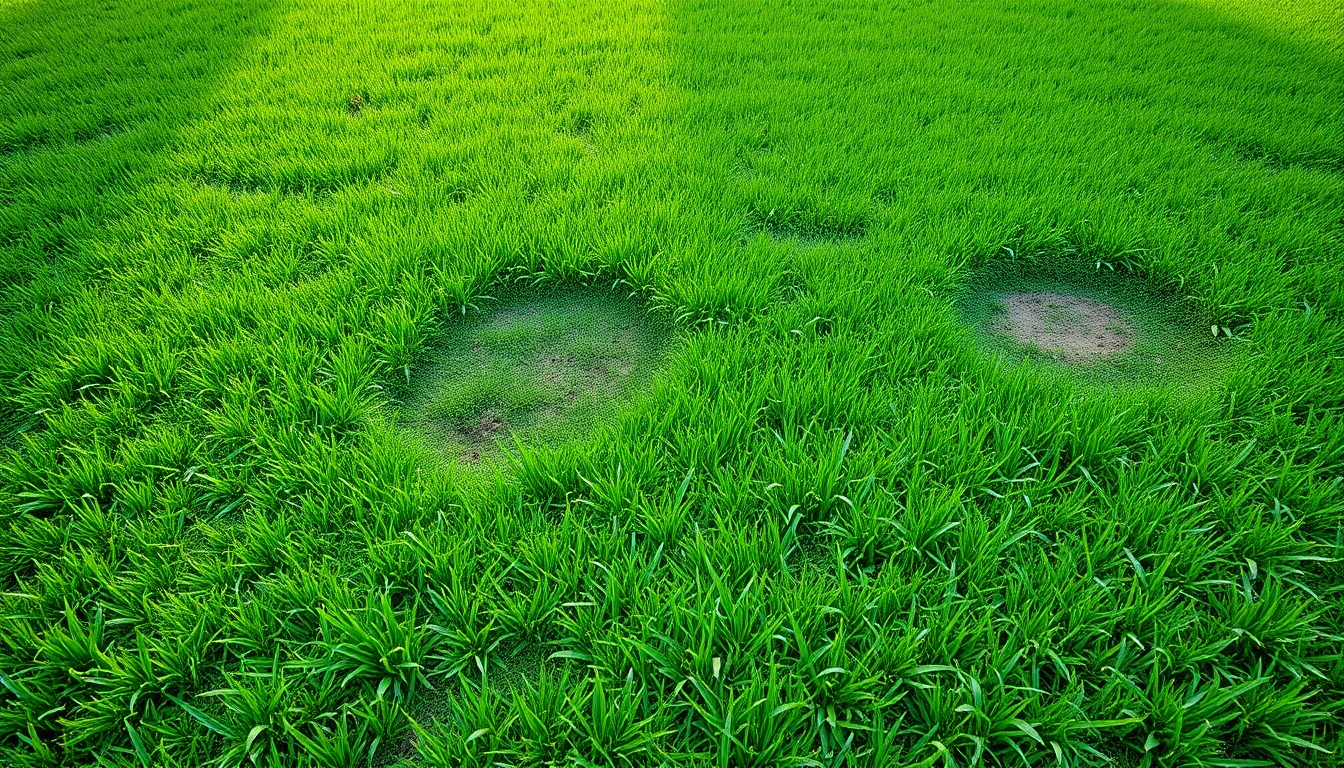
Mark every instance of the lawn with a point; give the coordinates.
(558, 382)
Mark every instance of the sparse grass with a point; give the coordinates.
(1171, 347)
(545, 367)
(830, 530)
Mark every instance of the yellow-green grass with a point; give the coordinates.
(829, 530)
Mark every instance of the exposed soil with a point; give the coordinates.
(483, 429)
(538, 369)
(556, 368)
(561, 370)
(1077, 330)
(479, 435)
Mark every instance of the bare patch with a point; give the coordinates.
(1077, 330)
(556, 368)
(541, 370)
(484, 429)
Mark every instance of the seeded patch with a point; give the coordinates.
(543, 369)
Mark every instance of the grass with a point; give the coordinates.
(831, 529)
(535, 368)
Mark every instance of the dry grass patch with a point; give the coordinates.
(1078, 330)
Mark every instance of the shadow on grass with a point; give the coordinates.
(94, 93)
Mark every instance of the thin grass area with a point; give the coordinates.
(541, 367)
(832, 528)
(1154, 338)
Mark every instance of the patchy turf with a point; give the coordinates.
(543, 367)
(244, 245)
(1077, 330)
(1097, 326)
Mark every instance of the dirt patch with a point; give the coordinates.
(540, 369)
(556, 368)
(479, 435)
(483, 429)
(1077, 330)
(568, 374)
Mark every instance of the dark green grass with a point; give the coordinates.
(832, 529)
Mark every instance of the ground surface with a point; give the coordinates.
(837, 526)
(1078, 330)
(542, 367)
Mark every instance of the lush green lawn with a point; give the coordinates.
(828, 525)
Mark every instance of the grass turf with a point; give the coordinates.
(832, 530)
(540, 369)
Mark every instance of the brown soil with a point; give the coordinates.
(479, 434)
(1077, 330)
(484, 428)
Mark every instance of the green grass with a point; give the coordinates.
(542, 369)
(830, 528)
